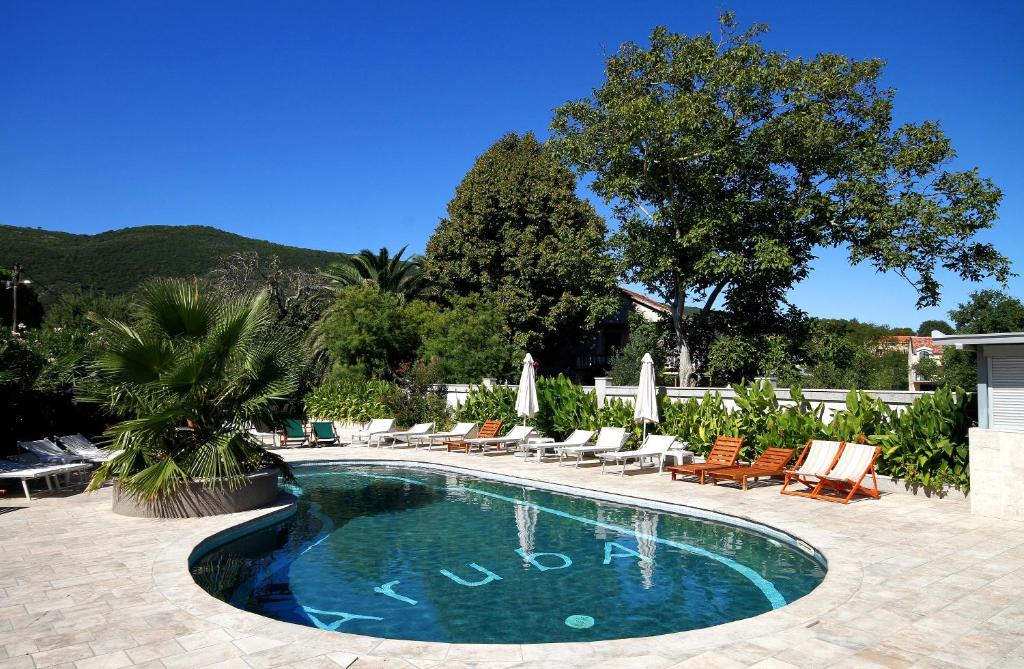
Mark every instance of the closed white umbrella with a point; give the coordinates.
(646, 409)
(526, 399)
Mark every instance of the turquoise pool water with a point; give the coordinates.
(417, 553)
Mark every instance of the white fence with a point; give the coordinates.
(833, 399)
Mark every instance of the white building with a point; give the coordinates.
(997, 444)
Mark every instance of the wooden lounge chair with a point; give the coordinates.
(490, 429)
(817, 458)
(323, 433)
(723, 454)
(846, 478)
(293, 432)
(770, 463)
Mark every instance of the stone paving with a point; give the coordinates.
(912, 582)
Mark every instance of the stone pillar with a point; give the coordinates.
(601, 389)
(997, 473)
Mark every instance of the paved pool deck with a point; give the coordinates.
(912, 582)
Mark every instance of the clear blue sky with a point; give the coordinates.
(343, 125)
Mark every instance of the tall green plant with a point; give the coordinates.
(483, 403)
(186, 380)
(563, 406)
(927, 444)
(351, 401)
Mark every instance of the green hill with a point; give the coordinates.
(119, 260)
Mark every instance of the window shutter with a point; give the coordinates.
(1006, 394)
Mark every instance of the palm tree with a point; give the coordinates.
(391, 273)
(188, 378)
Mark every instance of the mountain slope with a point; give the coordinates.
(119, 260)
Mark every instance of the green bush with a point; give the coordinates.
(463, 344)
(351, 401)
(495, 403)
(563, 407)
(926, 445)
(356, 401)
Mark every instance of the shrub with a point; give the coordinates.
(350, 401)
(358, 401)
(482, 403)
(927, 444)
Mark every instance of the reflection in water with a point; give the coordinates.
(645, 525)
(526, 527)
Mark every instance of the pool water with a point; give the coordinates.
(418, 553)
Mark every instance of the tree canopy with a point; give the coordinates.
(729, 163)
(926, 327)
(517, 232)
(989, 311)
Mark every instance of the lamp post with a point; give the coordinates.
(16, 281)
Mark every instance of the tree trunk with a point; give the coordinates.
(685, 363)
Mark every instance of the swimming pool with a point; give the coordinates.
(424, 554)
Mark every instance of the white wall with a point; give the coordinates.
(833, 399)
(997, 473)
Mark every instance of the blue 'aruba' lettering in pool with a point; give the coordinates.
(417, 553)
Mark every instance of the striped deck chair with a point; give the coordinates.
(846, 478)
(815, 461)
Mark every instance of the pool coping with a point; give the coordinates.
(170, 571)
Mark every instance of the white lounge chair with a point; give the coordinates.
(49, 473)
(460, 431)
(376, 426)
(577, 438)
(83, 448)
(815, 461)
(515, 436)
(654, 447)
(48, 453)
(608, 439)
(396, 437)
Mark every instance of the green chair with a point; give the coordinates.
(293, 432)
(323, 433)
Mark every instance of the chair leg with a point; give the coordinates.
(24, 486)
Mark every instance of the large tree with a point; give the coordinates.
(517, 234)
(729, 164)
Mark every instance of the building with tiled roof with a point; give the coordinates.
(917, 350)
